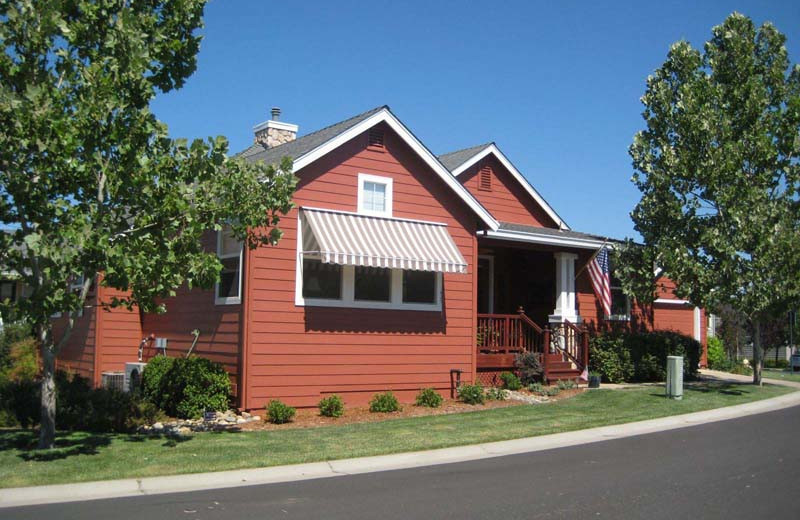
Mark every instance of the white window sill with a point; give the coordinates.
(429, 307)
(235, 300)
(618, 317)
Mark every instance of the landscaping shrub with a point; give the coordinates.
(496, 394)
(12, 333)
(528, 366)
(186, 387)
(20, 403)
(429, 397)
(566, 384)
(716, 354)
(609, 357)
(536, 388)
(740, 369)
(279, 412)
(384, 403)
(510, 381)
(22, 361)
(642, 356)
(152, 378)
(331, 406)
(771, 363)
(471, 394)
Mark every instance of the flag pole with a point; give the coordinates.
(603, 245)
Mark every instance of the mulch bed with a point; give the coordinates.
(310, 417)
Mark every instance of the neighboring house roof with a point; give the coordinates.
(458, 162)
(307, 149)
(539, 235)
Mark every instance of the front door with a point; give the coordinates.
(485, 284)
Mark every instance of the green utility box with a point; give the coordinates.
(675, 377)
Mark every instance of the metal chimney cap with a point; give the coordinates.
(276, 113)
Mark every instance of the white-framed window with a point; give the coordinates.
(228, 290)
(331, 285)
(374, 195)
(76, 286)
(620, 302)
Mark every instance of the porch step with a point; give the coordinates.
(562, 374)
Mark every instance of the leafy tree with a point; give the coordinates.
(90, 182)
(718, 169)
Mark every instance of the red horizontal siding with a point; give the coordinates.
(300, 354)
(507, 201)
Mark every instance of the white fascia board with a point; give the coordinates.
(494, 150)
(670, 301)
(582, 243)
(385, 116)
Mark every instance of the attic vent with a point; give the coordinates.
(376, 138)
(485, 179)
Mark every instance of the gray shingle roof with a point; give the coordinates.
(303, 145)
(565, 233)
(453, 160)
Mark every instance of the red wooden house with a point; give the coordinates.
(398, 270)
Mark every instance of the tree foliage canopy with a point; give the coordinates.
(717, 165)
(91, 182)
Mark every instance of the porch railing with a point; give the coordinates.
(500, 337)
(572, 341)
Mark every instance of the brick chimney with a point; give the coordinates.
(273, 132)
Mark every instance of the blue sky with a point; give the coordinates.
(555, 84)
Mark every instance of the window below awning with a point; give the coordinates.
(343, 238)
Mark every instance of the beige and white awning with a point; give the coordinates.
(352, 239)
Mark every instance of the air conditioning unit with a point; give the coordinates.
(133, 376)
(113, 380)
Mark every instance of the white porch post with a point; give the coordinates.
(565, 288)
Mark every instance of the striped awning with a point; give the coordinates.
(351, 239)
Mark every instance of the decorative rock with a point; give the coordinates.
(158, 426)
(245, 415)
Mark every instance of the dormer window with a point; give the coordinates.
(374, 195)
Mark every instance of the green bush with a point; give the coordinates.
(771, 363)
(20, 403)
(384, 403)
(510, 381)
(609, 357)
(642, 356)
(496, 394)
(153, 378)
(12, 333)
(23, 361)
(331, 406)
(552, 391)
(740, 369)
(279, 412)
(716, 354)
(536, 388)
(186, 388)
(529, 367)
(429, 397)
(471, 394)
(566, 384)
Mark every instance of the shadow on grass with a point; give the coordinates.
(723, 388)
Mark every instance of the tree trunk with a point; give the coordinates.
(47, 425)
(758, 358)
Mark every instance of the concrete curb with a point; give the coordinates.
(14, 497)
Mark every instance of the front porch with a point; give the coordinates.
(527, 303)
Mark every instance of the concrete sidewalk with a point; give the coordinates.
(201, 481)
(735, 378)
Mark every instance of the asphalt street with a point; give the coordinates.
(742, 468)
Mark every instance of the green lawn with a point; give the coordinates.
(87, 457)
(785, 375)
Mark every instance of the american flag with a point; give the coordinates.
(601, 282)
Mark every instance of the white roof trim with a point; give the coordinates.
(517, 236)
(385, 116)
(671, 301)
(493, 149)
